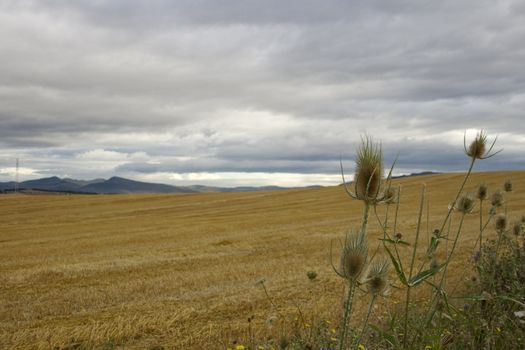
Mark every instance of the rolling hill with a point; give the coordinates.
(119, 185)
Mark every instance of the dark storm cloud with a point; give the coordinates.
(257, 86)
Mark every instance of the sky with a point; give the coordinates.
(272, 92)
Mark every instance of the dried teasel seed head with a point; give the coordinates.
(465, 204)
(501, 223)
(497, 199)
(369, 170)
(482, 192)
(377, 281)
(478, 146)
(507, 186)
(354, 257)
(390, 195)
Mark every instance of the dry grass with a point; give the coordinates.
(134, 271)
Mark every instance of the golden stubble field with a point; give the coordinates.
(180, 271)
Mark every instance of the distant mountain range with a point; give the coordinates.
(117, 185)
(120, 185)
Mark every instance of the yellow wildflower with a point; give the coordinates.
(361, 347)
(240, 347)
(333, 330)
(333, 339)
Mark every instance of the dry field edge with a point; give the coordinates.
(179, 271)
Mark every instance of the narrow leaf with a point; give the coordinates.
(434, 242)
(394, 241)
(399, 271)
(423, 275)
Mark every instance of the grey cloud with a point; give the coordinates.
(261, 86)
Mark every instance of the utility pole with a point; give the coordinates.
(16, 181)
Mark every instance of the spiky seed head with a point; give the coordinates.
(501, 223)
(377, 281)
(465, 204)
(354, 257)
(517, 228)
(390, 195)
(478, 146)
(369, 170)
(507, 186)
(497, 199)
(482, 192)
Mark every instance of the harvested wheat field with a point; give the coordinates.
(180, 271)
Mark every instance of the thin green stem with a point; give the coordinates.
(491, 216)
(366, 211)
(365, 324)
(500, 237)
(348, 311)
(449, 257)
(459, 193)
(405, 326)
(412, 261)
(480, 224)
(385, 224)
(467, 175)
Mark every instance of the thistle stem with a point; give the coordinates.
(467, 175)
(480, 224)
(500, 236)
(412, 261)
(348, 311)
(365, 324)
(432, 309)
(458, 194)
(366, 212)
(405, 326)
(449, 257)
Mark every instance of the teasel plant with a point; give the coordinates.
(507, 188)
(353, 266)
(496, 200)
(370, 187)
(369, 184)
(410, 276)
(377, 285)
(481, 195)
(478, 149)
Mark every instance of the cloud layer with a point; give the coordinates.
(255, 92)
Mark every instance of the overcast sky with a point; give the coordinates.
(250, 92)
